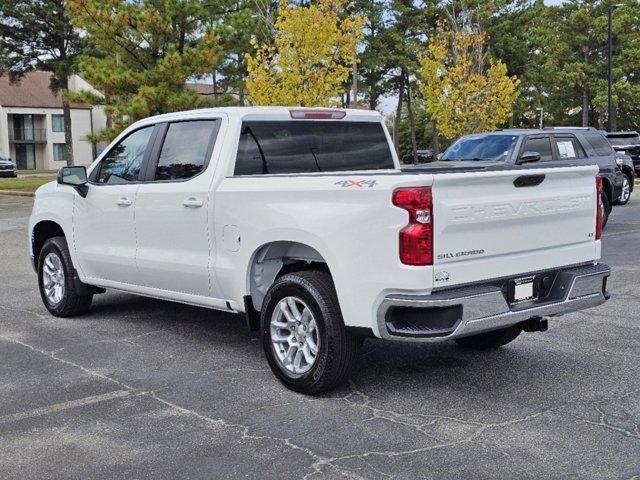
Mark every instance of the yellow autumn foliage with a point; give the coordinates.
(310, 59)
(462, 94)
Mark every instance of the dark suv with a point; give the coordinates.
(561, 145)
(7, 167)
(627, 143)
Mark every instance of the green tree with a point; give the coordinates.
(374, 57)
(464, 91)
(241, 24)
(38, 35)
(144, 51)
(310, 59)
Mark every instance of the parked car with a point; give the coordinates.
(303, 220)
(554, 146)
(424, 156)
(627, 172)
(628, 143)
(7, 167)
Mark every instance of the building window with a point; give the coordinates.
(59, 152)
(57, 123)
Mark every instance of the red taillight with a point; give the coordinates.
(317, 114)
(416, 239)
(599, 207)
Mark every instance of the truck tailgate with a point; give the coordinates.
(501, 223)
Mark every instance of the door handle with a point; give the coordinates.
(124, 202)
(528, 180)
(192, 202)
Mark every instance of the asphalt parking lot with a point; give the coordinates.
(142, 388)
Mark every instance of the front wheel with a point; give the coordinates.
(489, 340)
(625, 194)
(303, 334)
(55, 279)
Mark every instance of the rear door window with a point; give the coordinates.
(542, 145)
(311, 146)
(186, 149)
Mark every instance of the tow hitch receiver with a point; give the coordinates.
(535, 324)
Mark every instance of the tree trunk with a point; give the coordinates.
(412, 125)
(354, 84)
(241, 86)
(435, 141)
(585, 108)
(396, 121)
(66, 113)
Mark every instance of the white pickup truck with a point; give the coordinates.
(303, 220)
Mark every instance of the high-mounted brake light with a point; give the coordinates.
(317, 114)
(599, 207)
(416, 239)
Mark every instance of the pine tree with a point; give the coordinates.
(143, 52)
(38, 35)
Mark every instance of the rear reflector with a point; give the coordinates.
(317, 114)
(416, 239)
(599, 207)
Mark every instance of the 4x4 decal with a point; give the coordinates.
(356, 183)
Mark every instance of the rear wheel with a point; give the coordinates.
(303, 335)
(486, 341)
(55, 279)
(625, 194)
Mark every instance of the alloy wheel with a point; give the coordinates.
(294, 335)
(53, 278)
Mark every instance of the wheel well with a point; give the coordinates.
(41, 233)
(608, 189)
(276, 259)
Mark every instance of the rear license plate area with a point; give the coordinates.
(522, 289)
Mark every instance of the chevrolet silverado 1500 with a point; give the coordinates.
(302, 220)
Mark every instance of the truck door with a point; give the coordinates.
(174, 247)
(104, 234)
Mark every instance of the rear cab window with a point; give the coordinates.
(307, 146)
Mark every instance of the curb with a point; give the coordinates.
(18, 193)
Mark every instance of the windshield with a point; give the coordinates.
(624, 140)
(481, 147)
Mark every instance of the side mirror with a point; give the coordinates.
(75, 177)
(529, 157)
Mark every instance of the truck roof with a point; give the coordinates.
(546, 130)
(265, 113)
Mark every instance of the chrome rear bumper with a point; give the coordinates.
(465, 311)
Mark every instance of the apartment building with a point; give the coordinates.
(32, 123)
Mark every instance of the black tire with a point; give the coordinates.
(71, 304)
(337, 349)
(606, 207)
(486, 341)
(629, 182)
